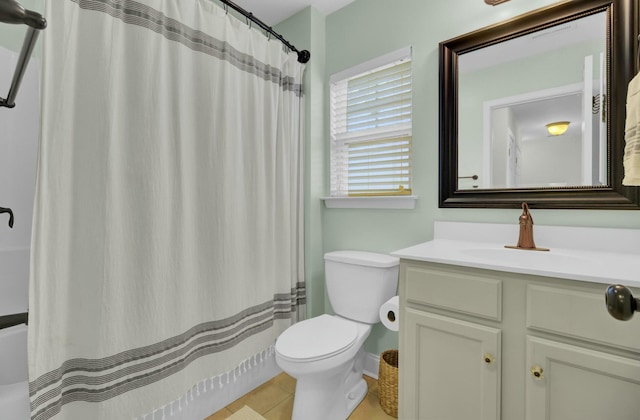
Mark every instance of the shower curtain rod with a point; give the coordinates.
(303, 56)
(12, 12)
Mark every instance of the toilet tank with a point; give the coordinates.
(359, 282)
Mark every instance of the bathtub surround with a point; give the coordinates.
(14, 397)
(167, 246)
(19, 128)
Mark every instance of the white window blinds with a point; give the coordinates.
(371, 128)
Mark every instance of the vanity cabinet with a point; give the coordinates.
(589, 367)
(572, 382)
(483, 344)
(453, 355)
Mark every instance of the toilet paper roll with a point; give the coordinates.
(390, 314)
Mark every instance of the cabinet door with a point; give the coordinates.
(449, 369)
(574, 383)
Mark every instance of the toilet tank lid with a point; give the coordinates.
(369, 259)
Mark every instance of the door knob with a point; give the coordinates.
(488, 358)
(620, 302)
(537, 372)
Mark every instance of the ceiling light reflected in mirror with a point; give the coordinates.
(558, 128)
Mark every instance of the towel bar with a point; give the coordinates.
(12, 12)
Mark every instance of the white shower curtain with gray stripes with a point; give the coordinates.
(167, 246)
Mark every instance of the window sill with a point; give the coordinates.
(391, 202)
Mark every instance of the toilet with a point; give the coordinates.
(325, 353)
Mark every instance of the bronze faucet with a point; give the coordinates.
(525, 239)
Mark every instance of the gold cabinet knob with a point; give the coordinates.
(537, 372)
(488, 358)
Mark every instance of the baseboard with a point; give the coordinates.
(371, 365)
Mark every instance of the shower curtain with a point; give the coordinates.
(167, 253)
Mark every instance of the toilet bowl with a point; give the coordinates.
(325, 354)
(331, 366)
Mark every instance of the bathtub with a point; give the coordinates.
(14, 390)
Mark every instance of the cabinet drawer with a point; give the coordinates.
(579, 314)
(473, 294)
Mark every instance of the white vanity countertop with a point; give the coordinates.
(599, 255)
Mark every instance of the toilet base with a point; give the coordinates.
(357, 394)
(333, 396)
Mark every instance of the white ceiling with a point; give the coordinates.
(273, 12)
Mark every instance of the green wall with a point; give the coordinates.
(366, 29)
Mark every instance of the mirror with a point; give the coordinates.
(502, 85)
(513, 89)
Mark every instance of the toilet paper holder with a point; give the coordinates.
(388, 313)
(391, 316)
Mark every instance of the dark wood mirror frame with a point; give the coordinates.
(622, 41)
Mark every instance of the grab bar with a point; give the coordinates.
(12, 12)
(8, 210)
(7, 321)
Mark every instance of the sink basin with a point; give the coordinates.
(525, 258)
(599, 255)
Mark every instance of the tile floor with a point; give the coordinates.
(274, 401)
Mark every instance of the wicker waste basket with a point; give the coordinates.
(388, 382)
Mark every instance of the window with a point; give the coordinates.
(370, 113)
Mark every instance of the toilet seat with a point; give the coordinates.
(316, 338)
